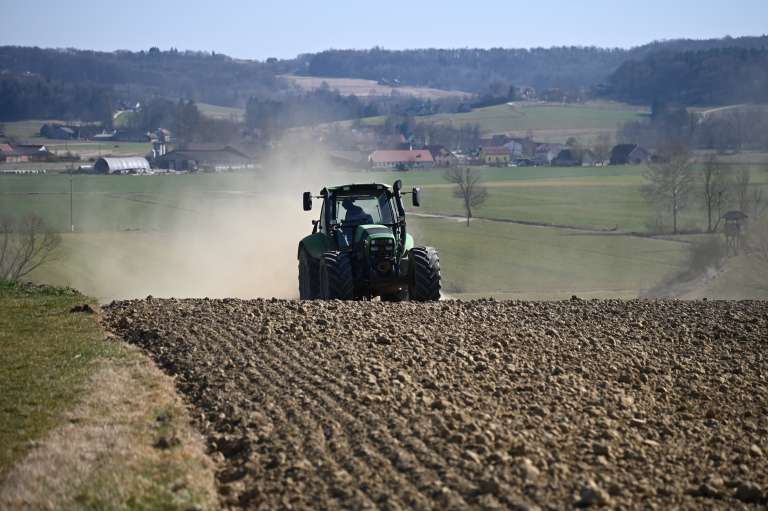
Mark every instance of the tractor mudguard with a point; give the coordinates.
(408, 244)
(316, 244)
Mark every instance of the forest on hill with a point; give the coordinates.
(88, 85)
(718, 76)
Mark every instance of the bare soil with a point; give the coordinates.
(482, 404)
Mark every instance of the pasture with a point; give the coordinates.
(546, 121)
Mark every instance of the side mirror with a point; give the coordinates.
(397, 186)
(307, 200)
(416, 197)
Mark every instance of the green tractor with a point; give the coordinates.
(359, 248)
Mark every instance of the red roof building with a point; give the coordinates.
(391, 159)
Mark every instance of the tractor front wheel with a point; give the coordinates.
(307, 277)
(425, 275)
(336, 279)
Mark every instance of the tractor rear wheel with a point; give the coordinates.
(425, 275)
(336, 279)
(307, 277)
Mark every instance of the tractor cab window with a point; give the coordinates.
(364, 209)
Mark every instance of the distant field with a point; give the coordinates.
(87, 149)
(360, 87)
(24, 130)
(221, 112)
(546, 121)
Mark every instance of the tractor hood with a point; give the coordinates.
(372, 231)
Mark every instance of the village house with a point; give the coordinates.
(629, 154)
(567, 158)
(401, 159)
(495, 155)
(204, 157)
(521, 148)
(33, 152)
(58, 132)
(9, 155)
(545, 153)
(442, 156)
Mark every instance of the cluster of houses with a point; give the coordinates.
(192, 158)
(504, 151)
(22, 153)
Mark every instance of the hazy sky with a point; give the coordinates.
(257, 29)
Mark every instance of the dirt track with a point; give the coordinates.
(477, 404)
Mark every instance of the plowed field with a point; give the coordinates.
(483, 404)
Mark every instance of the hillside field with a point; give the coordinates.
(361, 87)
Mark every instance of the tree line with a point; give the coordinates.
(471, 69)
(721, 129)
(202, 76)
(676, 182)
(717, 76)
(31, 97)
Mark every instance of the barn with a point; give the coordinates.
(127, 165)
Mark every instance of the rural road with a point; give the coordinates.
(482, 404)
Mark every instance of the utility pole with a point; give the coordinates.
(71, 219)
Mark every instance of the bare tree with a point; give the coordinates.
(468, 188)
(757, 203)
(670, 181)
(716, 184)
(602, 147)
(25, 245)
(741, 189)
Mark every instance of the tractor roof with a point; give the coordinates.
(359, 187)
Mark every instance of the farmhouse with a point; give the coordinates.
(567, 158)
(204, 157)
(521, 148)
(495, 155)
(58, 132)
(545, 153)
(33, 152)
(130, 165)
(401, 159)
(629, 154)
(10, 155)
(442, 156)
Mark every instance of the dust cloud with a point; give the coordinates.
(214, 243)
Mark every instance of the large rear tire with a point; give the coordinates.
(337, 281)
(425, 275)
(307, 277)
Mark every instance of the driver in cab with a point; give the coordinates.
(354, 213)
